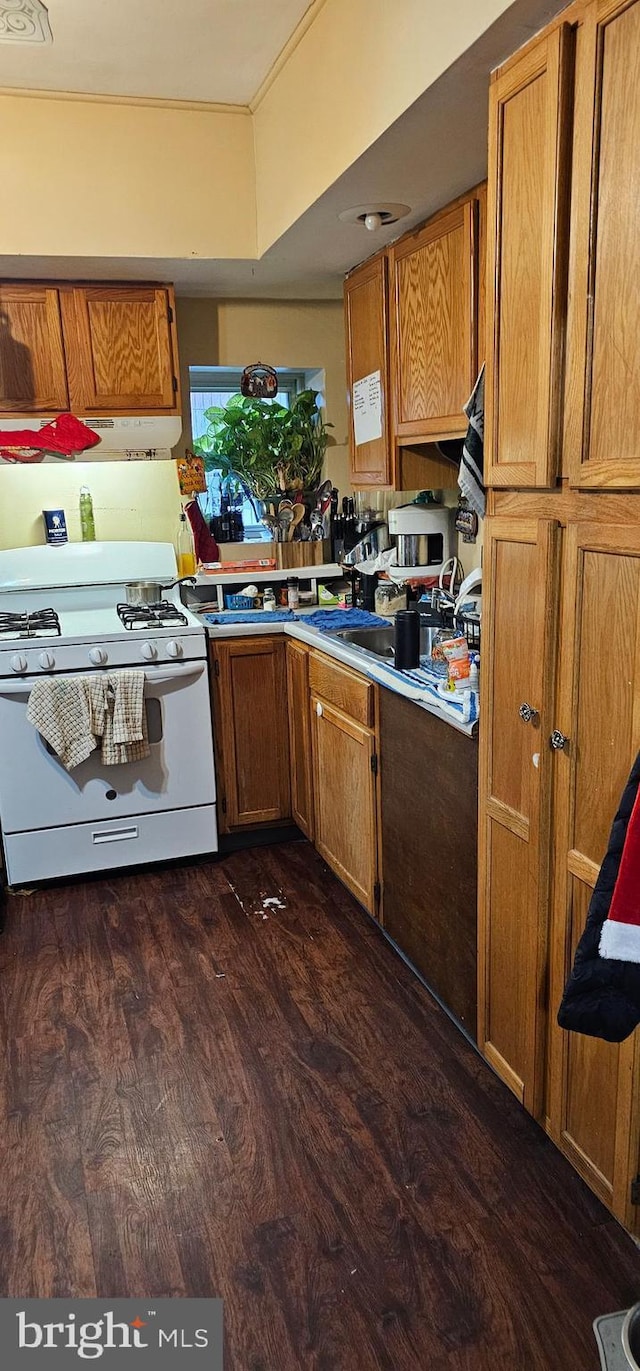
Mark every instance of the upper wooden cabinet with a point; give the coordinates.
(119, 349)
(32, 365)
(92, 349)
(433, 325)
(526, 256)
(414, 314)
(366, 325)
(602, 430)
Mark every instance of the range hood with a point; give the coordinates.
(136, 437)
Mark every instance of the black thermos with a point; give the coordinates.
(407, 640)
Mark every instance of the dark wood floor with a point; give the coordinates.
(221, 1080)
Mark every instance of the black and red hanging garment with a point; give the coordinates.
(602, 995)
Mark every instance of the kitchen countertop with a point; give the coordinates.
(342, 652)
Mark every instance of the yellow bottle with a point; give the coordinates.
(184, 548)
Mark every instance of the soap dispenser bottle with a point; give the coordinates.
(87, 522)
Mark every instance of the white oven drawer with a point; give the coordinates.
(117, 843)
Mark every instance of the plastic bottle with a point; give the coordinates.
(184, 547)
(474, 674)
(293, 592)
(87, 522)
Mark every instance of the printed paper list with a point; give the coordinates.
(367, 408)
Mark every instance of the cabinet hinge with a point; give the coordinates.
(216, 667)
(635, 1191)
(223, 805)
(170, 314)
(175, 384)
(374, 763)
(377, 892)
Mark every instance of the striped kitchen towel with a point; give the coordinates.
(471, 474)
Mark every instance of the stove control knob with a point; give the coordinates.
(149, 652)
(18, 663)
(47, 661)
(174, 649)
(98, 656)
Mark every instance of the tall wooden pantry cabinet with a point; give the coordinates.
(561, 658)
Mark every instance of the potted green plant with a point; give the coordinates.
(271, 449)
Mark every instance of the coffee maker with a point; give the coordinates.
(423, 535)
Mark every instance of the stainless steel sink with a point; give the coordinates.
(379, 642)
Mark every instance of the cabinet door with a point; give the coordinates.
(345, 799)
(433, 329)
(119, 349)
(603, 435)
(594, 1084)
(529, 127)
(366, 324)
(252, 732)
(300, 736)
(515, 788)
(32, 367)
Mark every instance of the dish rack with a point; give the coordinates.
(239, 602)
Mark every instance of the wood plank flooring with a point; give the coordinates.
(219, 1079)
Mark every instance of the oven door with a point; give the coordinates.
(37, 793)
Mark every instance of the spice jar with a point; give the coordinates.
(293, 592)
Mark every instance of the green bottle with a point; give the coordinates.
(87, 524)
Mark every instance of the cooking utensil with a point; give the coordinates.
(150, 592)
(285, 519)
(298, 516)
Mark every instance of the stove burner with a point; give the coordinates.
(161, 615)
(41, 623)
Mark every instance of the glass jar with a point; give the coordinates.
(269, 599)
(293, 592)
(389, 598)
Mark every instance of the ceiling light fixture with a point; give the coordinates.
(374, 217)
(24, 21)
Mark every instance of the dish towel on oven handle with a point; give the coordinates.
(59, 709)
(73, 714)
(125, 736)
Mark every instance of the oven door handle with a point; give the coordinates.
(177, 673)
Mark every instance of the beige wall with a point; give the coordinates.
(83, 178)
(356, 69)
(131, 500)
(284, 333)
(87, 177)
(141, 499)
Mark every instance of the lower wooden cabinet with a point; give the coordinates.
(345, 798)
(300, 736)
(594, 1086)
(251, 731)
(562, 581)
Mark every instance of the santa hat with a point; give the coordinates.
(620, 937)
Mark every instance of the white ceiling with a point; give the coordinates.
(211, 50)
(435, 151)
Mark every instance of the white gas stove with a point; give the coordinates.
(63, 611)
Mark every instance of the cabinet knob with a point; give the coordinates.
(319, 709)
(559, 741)
(528, 714)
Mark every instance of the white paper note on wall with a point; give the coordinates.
(367, 408)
